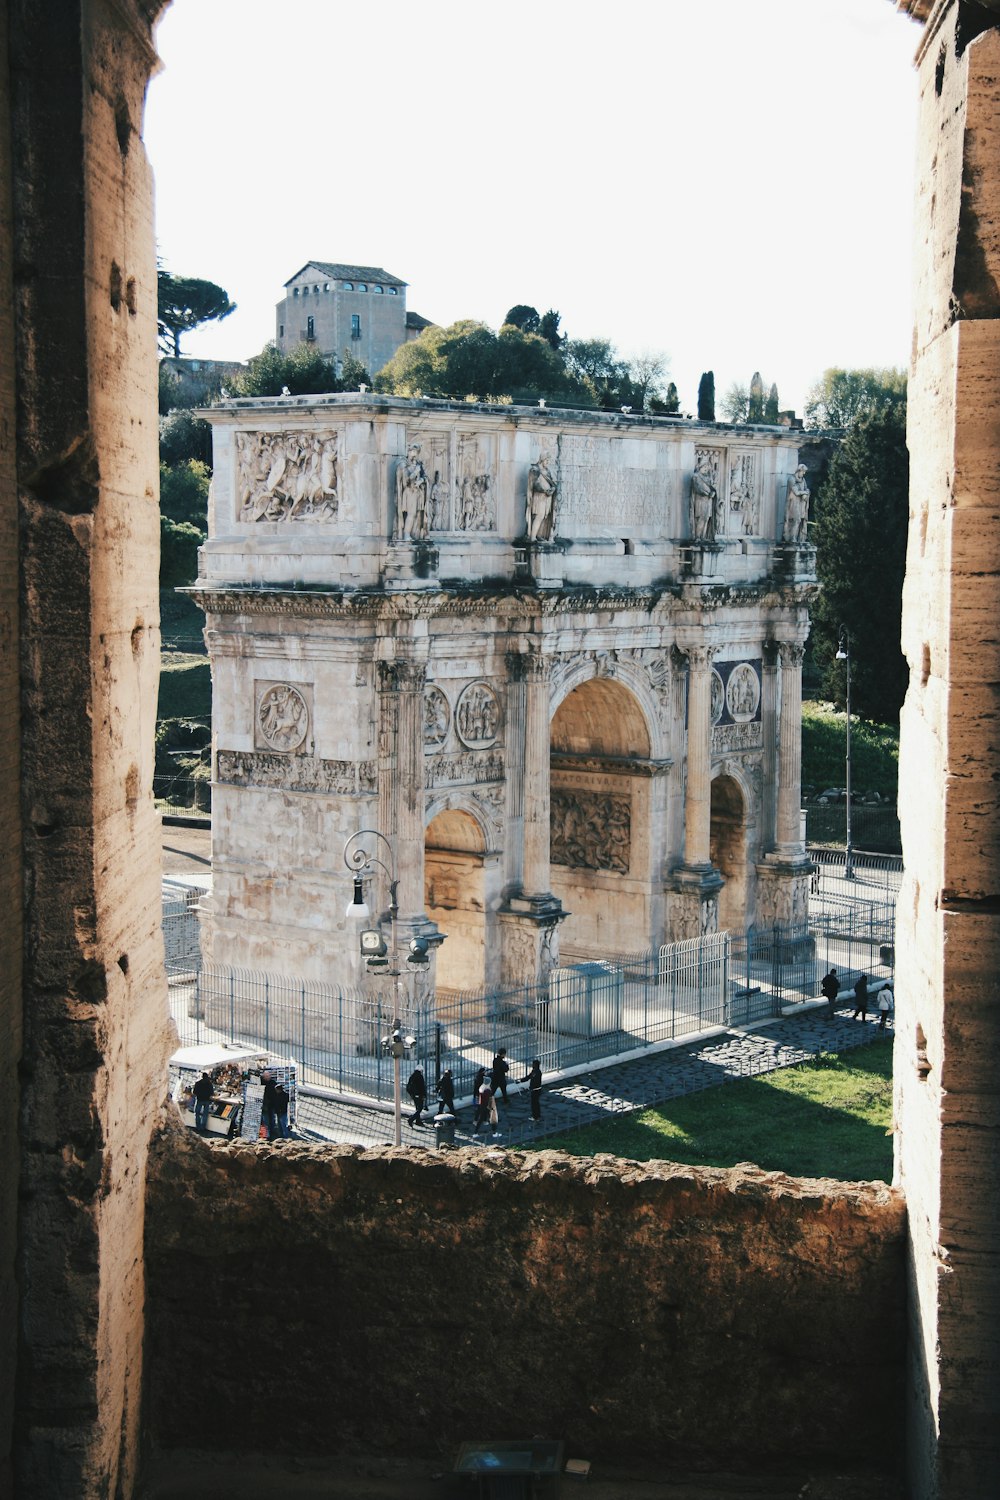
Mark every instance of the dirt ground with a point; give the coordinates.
(177, 1476)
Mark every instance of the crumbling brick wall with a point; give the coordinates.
(333, 1299)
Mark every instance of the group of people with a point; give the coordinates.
(884, 1000)
(486, 1086)
(274, 1107)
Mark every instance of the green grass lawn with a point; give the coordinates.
(827, 1118)
(874, 751)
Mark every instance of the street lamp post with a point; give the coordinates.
(359, 861)
(844, 655)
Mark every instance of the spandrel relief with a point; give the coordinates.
(282, 717)
(287, 476)
(744, 493)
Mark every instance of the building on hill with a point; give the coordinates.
(346, 310)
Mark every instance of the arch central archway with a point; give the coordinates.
(600, 816)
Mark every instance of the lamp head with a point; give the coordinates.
(418, 951)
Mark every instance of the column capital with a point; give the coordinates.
(791, 653)
(698, 657)
(402, 676)
(528, 666)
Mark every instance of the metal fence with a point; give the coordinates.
(872, 827)
(585, 1014)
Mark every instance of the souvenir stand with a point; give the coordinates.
(238, 1092)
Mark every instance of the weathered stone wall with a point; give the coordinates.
(93, 1001)
(641, 1311)
(948, 1021)
(11, 1029)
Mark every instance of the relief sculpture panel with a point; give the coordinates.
(282, 717)
(286, 476)
(299, 773)
(744, 492)
(590, 831)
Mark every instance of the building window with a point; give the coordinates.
(392, 291)
(310, 329)
(348, 286)
(316, 289)
(355, 326)
(376, 289)
(362, 287)
(326, 286)
(295, 291)
(281, 330)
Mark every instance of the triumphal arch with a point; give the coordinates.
(554, 657)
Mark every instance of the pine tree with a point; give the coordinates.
(756, 410)
(771, 406)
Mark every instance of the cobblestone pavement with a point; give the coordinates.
(614, 1089)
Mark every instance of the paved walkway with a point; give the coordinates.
(615, 1089)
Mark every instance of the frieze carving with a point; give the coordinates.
(286, 476)
(299, 773)
(437, 717)
(477, 510)
(464, 767)
(477, 716)
(282, 720)
(590, 831)
(718, 700)
(744, 492)
(739, 736)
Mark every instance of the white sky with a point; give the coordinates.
(729, 182)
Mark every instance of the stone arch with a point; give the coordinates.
(601, 812)
(728, 844)
(461, 889)
(566, 679)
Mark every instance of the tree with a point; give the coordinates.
(647, 372)
(860, 534)
(469, 360)
(179, 543)
(184, 492)
(755, 408)
(771, 406)
(548, 327)
(353, 374)
(840, 397)
(736, 403)
(185, 302)
(523, 316)
(183, 435)
(706, 397)
(743, 403)
(303, 371)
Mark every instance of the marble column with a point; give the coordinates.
(769, 734)
(698, 791)
(401, 793)
(788, 841)
(536, 777)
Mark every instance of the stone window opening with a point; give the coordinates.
(355, 326)
(362, 287)
(348, 286)
(310, 329)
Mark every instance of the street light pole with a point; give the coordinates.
(844, 655)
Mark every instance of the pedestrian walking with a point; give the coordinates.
(534, 1082)
(830, 985)
(861, 998)
(477, 1083)
(416, 1087)
(886, 1001)
(281, 1112)
(446, 1092)
(203, 1091)
(269, 1080)
(498, 1073)
(485, 1107)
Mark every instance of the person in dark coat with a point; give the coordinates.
(534, 1082)
(477, 1084)
(830, 985)
(861, 998)
(203, 1091)
(281, 1111)
(416, 1087)
(484, 1105)
(267, 1114)
(498, 1073)
(446, 1092)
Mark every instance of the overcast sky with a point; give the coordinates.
(729, 183)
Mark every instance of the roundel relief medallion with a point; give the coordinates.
(437, 717)
(718, 696)
(477, 716)
(283, 717)
(743, 693)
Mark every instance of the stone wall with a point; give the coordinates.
(81, 309)
(948, 1021)
(643, 1312)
